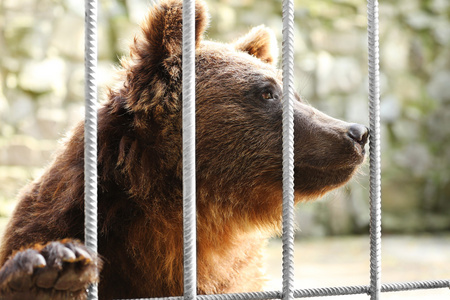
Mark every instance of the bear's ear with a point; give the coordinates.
(261, 43)
(162, 31)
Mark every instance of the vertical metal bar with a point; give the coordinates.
(90, 132)
(375, 165)
(288, 149)
(189, 188)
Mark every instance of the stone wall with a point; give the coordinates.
(41, 92)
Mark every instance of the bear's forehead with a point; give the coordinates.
(219, 56)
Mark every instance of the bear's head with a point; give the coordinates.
(238, 114)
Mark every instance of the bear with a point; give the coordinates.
(238, 173)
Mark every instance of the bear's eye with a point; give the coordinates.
(267, 95)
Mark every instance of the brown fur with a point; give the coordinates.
(140, 165)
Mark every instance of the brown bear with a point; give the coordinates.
(239, 174)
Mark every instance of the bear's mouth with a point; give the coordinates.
(360, 152)
(360, 146)
(315, 177)
(350, 159)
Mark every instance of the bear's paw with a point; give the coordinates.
(57, 270)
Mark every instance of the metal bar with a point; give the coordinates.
(322, 292)
(375, 165)
(415, 285)
(90, 132)
(365, 289)
(288, 149)
(189, 187)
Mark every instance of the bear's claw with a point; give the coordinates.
(57, 270)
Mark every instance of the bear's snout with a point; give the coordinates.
(359, 133)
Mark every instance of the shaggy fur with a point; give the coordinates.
(238, 92)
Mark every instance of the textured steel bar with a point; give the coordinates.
(331, 291)
(321, 292)
(288, 149)
(189, 188)
(375, 164)
(90, 132)
(365, 289)
(415, 285)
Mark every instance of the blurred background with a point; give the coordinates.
(42, 94)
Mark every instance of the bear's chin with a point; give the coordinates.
(311, 183)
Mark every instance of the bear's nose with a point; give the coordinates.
(359, 133)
